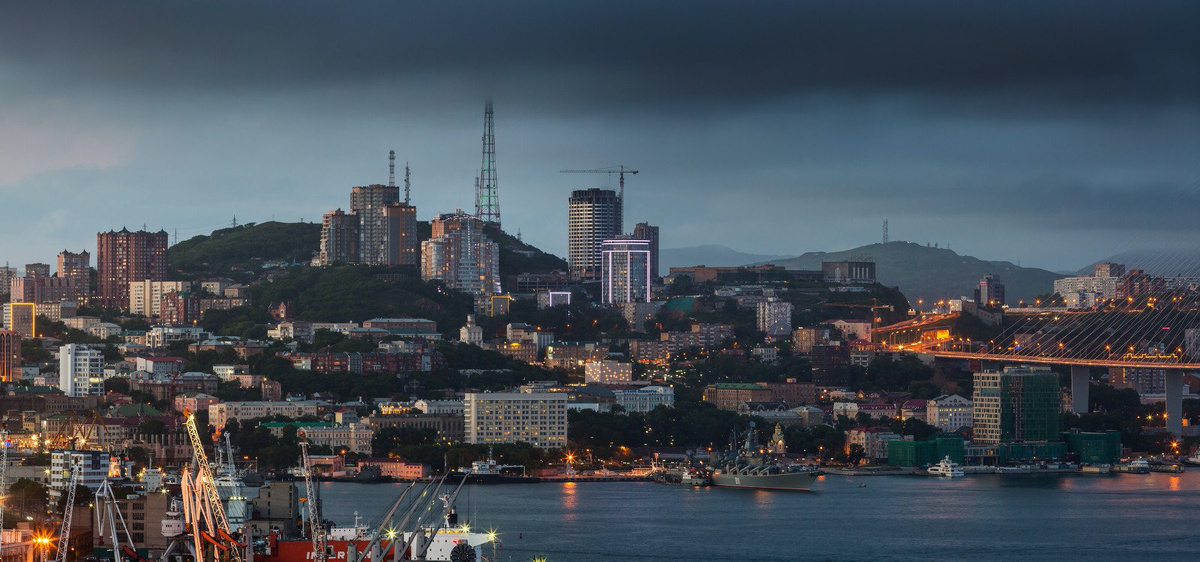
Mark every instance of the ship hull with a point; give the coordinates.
(794, 481)
(455, 477)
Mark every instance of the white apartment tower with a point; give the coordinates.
(537, 418)
(80, 370)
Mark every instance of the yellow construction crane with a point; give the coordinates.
(209, 483)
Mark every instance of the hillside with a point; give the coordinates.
(713, 255)
(245, 247)
(928, 273)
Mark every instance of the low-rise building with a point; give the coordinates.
(873, 441)
(644, 399)
(353, 438)
(949, 413)
(396, 468)
(607, 372)
(221, 414)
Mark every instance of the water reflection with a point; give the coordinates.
(569, 500)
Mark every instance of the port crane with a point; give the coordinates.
(315, 530)
(205, 481)
(64, 533)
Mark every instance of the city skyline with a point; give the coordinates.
(782, 135)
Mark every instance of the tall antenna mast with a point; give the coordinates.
(885, 233)
(391, 168)
(487, 198)
(407, 184)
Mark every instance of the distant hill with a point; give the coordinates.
(1168, 263)
(934, 273)
(246, 247)
(713, 255)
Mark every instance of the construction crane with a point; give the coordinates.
(108, 520)
(64, 533)
(3, 483)
(315, 530)
(208, 482)
(619, 170)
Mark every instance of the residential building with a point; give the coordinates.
(461, 255)
(949, 413)
(179, 308)
(1141, 379)
(80, 370)
(520, 332)
(775, 318)
(1091, 290)
(194, 402)
(448, 427)
(124, 257)
(728, 395)
(220, 414)
(339, 238)
(625, 270)
(644, 399)
(1018, 404)
(538, 418)
(353, 437)
(93, 467)
(550, 299)
(572, 356)
(145, 296)
(10, 356)
(228, 372)
(369, 203)
(6, 276)
(521, 351)
(161, 366)
(853, 329)
(593, 216)
(873, 440)
(803, 339)
(142, 513)
(21, 317)
(44, 289)
(607, 372)
(400, 242)
(78, 269)
(830, 365)
(649, 233)
(990, 292)
(638, 313)
(403, 324)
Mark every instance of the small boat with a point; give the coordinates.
(945, 469)
(1194, 459)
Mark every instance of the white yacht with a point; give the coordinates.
(945, 469)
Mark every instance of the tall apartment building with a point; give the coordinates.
(10, 356)
(369, 203)
(339, 237)
(775, 318)
(648, 232)
(44, 289)
(145, 296)
(1018, 404)
(37, 270)
(123, 257)
(593, 216)
(80, 370)
(625, 271)
(460, 255)
(1089, 290)
(538, 418)
(990, 292)
(79, 268)
(400, 235)
(21, 317)
(6, 277)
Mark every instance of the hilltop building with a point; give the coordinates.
(593, 216)
(125, 257)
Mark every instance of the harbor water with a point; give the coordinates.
(986, 517)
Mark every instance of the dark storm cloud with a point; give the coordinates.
(1017, 54)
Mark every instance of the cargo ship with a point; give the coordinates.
(752, 467)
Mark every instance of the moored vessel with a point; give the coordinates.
(752, 467)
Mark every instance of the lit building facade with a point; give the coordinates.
(400, 235)
(537, 418)
(649, 233)
(10, 356)
(607, 372)
(949, 412)
(369, 203)
(145, 296)
(775, 318)
(644, 399)
(78, 268)
(593, 216)
(339, 238)
(625, 271)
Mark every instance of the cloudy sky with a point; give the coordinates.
(1050, 133)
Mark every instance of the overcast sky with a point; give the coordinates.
(1050, 133)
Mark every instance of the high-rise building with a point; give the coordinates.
(123, 257)
(6, 277)
(10, 356)
(37, 270)
(775, 318)
(21, 317)
(145, 296)
(537, 418)
(369, 202)
(830, 365)
(80, 370)
(339, 238)
(40, 289)
(1018, 404)
(460, 255)
(78, 268)
(593, 216)
(625, 271)
(990, 292)
(648, 232)
(400, 235)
